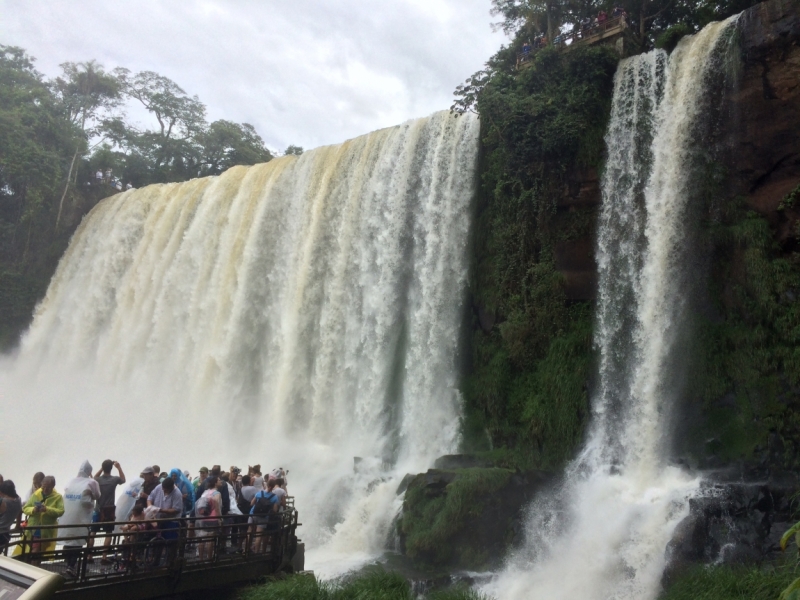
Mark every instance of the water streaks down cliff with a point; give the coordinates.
(296, 313)
(603, 534)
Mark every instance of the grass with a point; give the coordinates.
(377, 584)
(728, 583)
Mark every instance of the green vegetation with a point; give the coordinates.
(431, 518)
(649, 19)
(376, 584)
(748, 345)
(727, 583)
(55, 134)
(527, 384)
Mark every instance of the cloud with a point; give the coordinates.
(306, 72)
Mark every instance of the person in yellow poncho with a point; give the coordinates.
(44, 507)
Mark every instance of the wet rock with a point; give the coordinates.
(460, 461)
(733, 522)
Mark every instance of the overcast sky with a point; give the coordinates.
(305, 72)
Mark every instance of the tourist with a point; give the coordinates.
(134, 537)
(80, 495)
(263, 512)
(43, 508)
(276, 474)
(526, 49)
(37, 483)
(168, 500)
(237, 519)
(602, 17)
(10, 512)
(108, 175)
(127, 499)
(200, 479)
(208, 510)
(246, 494)
(256, 477)
(216, 472)
(105, 504)
(157, 473)
(280, 491)
(128, 186)
(150, 482)
(187, 491)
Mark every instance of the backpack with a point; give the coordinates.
(265, 503)
(244, 506)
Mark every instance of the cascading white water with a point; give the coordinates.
(603, 534)
(297, 313)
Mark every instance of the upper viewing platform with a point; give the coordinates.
(588, 32)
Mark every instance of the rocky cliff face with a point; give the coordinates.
(765, 128)
(749, 423)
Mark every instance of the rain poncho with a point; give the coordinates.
(127, 499)
(187, 490)
(80, 495)
(54, 505)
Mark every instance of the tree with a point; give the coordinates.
(35, 139)
(225, 144)
(293, 150)
(172, 149)
(84, 90)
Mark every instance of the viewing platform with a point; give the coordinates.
(179, 556)
(610, 31)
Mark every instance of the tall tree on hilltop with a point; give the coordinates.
(225, 144)
(84, 91)
(172, 149)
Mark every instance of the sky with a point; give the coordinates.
(303, 72)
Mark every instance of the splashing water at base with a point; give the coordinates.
(603, 533)
(298, 313)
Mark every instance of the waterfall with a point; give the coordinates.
(603, 533)
(298, 313)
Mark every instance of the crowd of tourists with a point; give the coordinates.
(585, 28)
(107, 178)
(218, 503)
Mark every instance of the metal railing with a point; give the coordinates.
(578, 36)
(171, 546)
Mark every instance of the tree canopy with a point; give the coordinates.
(56, 133)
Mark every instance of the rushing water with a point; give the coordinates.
(298, 313)
(603, 534)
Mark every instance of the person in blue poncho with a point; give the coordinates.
(185, 486)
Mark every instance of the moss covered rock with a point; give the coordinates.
(465, 518)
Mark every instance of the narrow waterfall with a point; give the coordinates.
(603, 533)
(298, 313)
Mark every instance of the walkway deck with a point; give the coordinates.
(145, 566)
(610, 29)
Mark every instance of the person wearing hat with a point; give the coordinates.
(150, 482)
(198, 481)
(10, 510)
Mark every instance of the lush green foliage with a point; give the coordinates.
(430, 521)
(726, 583)
(748, 345)
(375, 584)
(527, 381)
